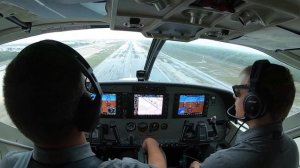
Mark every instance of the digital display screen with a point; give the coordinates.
(191, 105)
(109, 104)
(145, 104)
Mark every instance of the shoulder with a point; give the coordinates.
(125, 163)
(218, 160)
(291, 147)
(289, 140)
(255, 154)
(288, 146)
(233, 157)
(15, 158)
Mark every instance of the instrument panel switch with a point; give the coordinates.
(153, 126)
(130, 126)
(164, 126)
(142, 126)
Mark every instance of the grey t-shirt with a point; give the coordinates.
(262, 147)
(76, 156)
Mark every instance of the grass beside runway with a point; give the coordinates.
(97, 58)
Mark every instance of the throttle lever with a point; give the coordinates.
(115, 131)
(212, 121)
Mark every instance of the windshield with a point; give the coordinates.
(211, 63)
(116, 56)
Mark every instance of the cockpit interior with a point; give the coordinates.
(188, 121)
(165, 67)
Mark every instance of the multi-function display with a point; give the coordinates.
(148, 104)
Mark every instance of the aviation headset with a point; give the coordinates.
(88, 111)
(89, 107)
(254, 106)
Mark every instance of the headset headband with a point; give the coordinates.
(88, 72)
(84, 66)
(257, 69)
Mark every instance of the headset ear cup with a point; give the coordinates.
(88, 113)
(252, 106)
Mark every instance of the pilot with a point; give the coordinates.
(262, 100)
(43, 88)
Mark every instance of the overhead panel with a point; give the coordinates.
(182, 20)
(210, 19)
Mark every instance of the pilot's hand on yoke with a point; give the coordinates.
(195, 164)
(155, 154)
(150, 143)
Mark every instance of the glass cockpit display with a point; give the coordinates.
(191, 105)
(109, 104)
(148, 105)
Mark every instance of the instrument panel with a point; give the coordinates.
(176, 115)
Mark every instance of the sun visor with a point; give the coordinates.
(59, 10)
(96, 7)
(271, 38)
